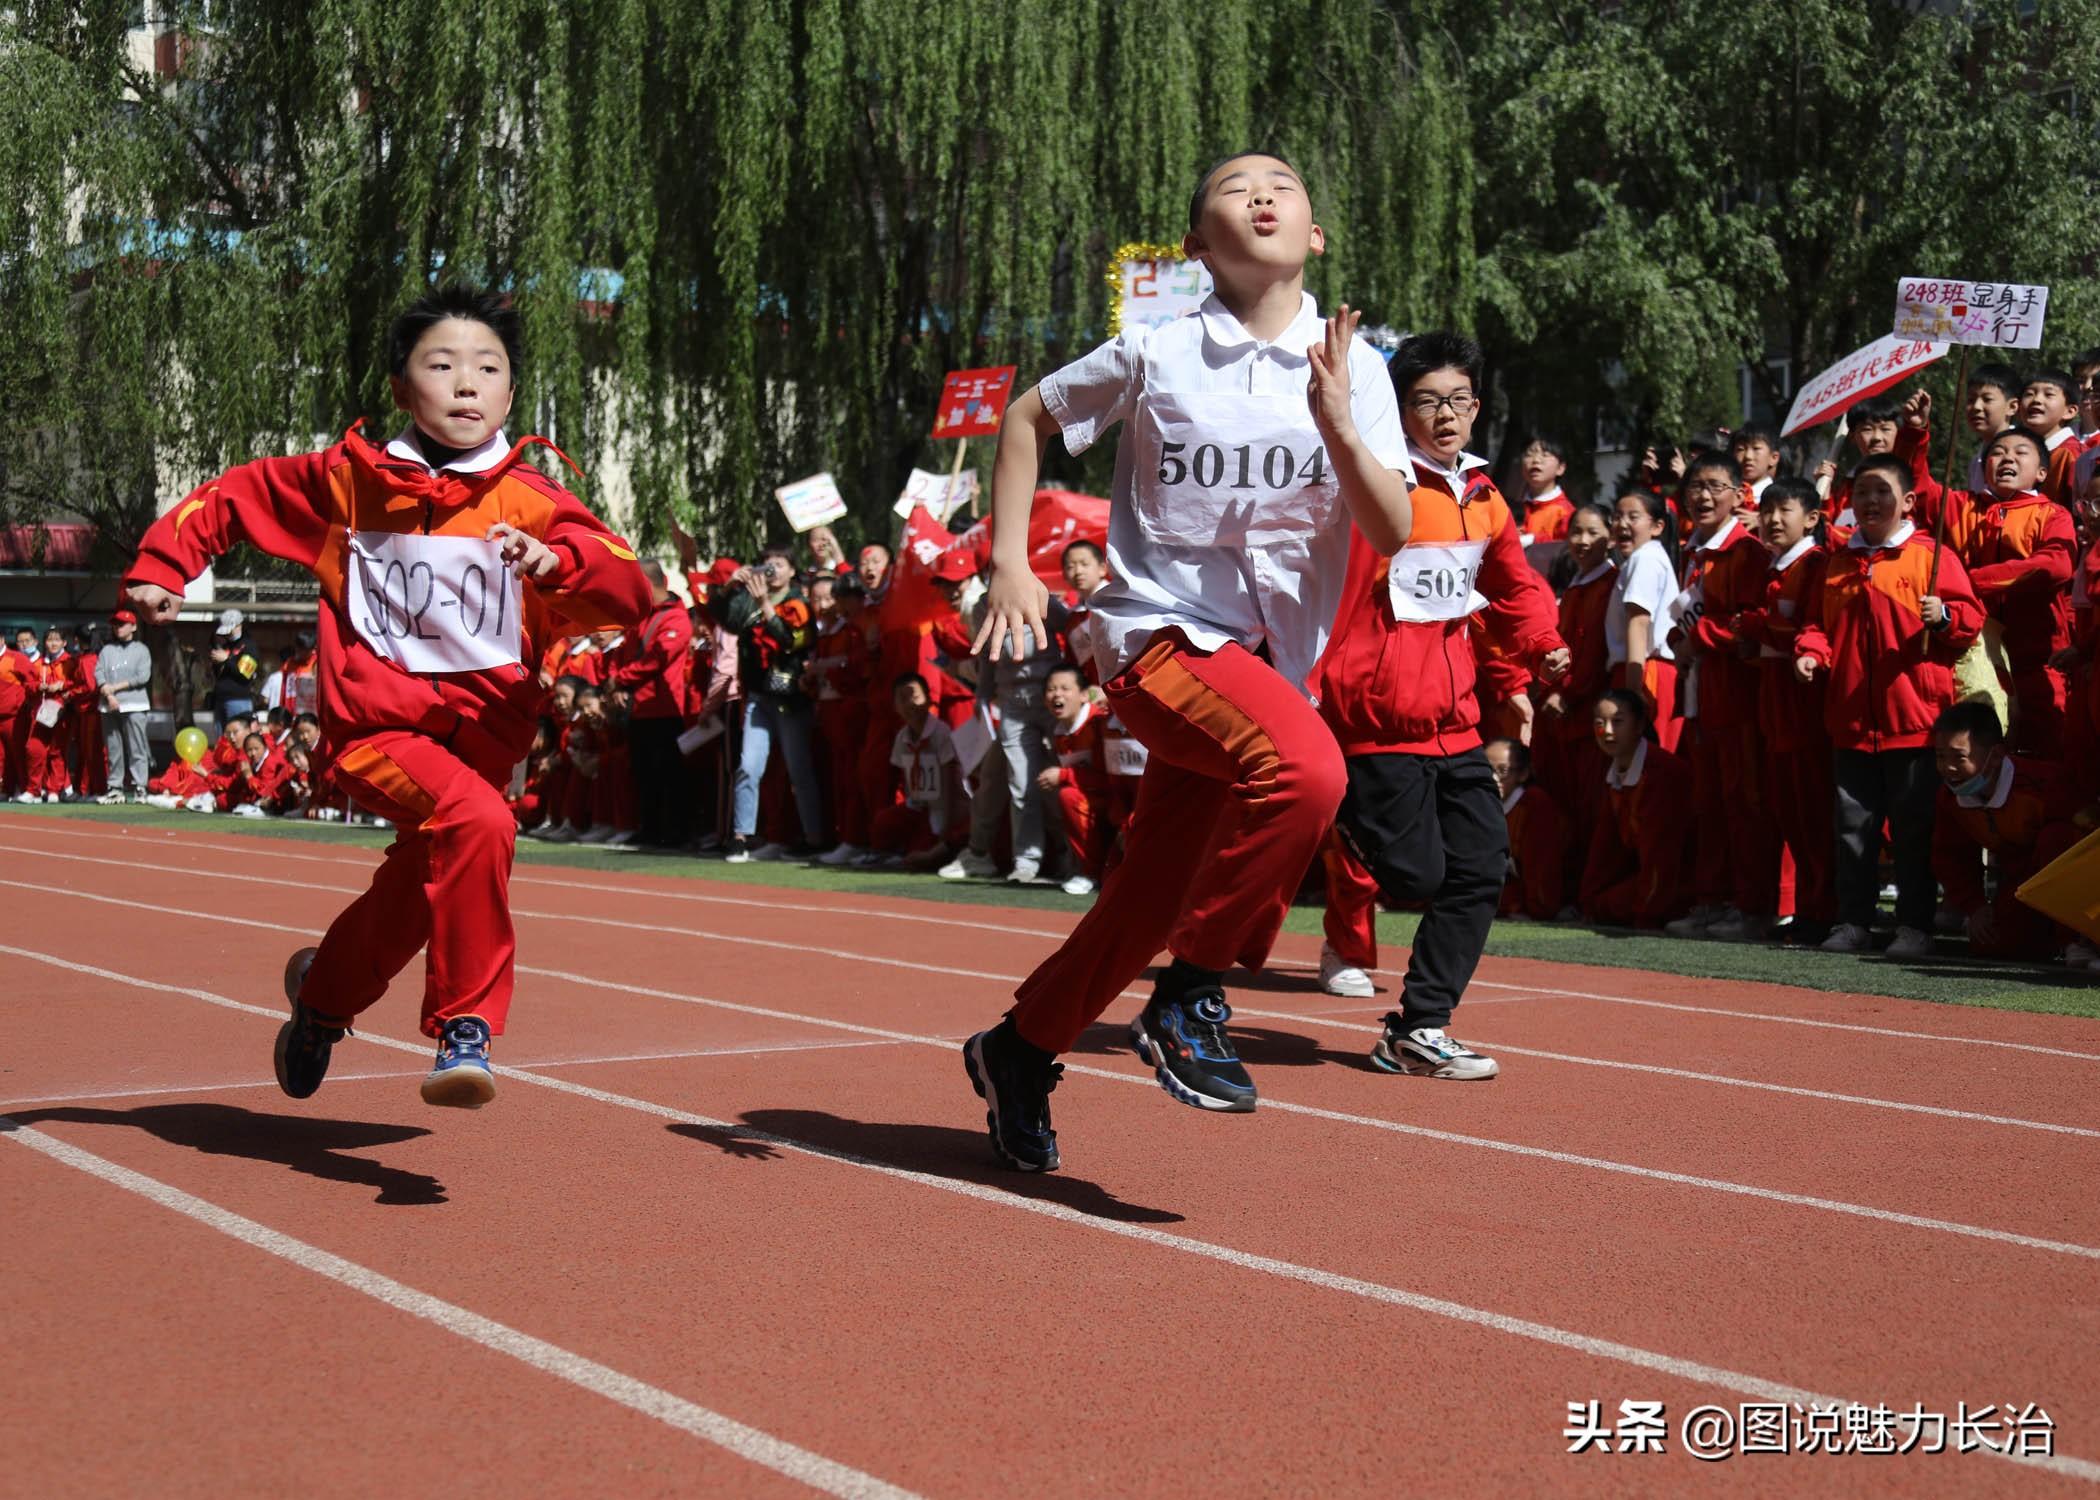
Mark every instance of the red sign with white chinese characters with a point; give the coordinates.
(972, 402)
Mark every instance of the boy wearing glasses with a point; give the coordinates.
(1422, 811)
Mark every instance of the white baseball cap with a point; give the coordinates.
(229, 623)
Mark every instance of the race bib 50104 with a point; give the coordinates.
(433, 604)
(1214, 466)
(1432, 582)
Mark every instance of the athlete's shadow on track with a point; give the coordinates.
(314, 1147)
(937, 1150)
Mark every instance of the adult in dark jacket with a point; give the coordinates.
(775, 630)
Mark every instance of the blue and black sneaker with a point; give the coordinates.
(1014, 1080)
(1180, 1034)
(462, 1078)
(306, 1041)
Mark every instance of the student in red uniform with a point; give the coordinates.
(1536, 884)
(18, 699)
(1085, 567)
(1989, 406)
(840, 667)
(1755, 449)
(2020, 549)
(1636, 643)
(934, 804)
(1563, 744)
(1793, 746)
(429, 709)
(1095, 800)
(50, 741)
(257, 781)
(1888, 640)
(1397, 685)
(2001, 806)
(90, 776)
(1873, 426)
(1735, 874)
(2049, 408)
(1639, 865)
(1547, 508)
(1219, 607)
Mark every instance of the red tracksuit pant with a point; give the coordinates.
(47, 751)
(1351, 923)
(445, 884)
(1735, 847)
(1242, 782)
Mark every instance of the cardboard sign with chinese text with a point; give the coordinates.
(811, 502)
(1999, 314)
(972, 402)
(1864, 372)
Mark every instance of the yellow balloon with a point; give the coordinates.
(191, 744)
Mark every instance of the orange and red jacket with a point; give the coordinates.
(1960, 835)
(1730, 579)
(1387, 685)
(1890, 677)
(655, 661)
(1789, 711)
(1639, 860)
(61, 672)
(1538, 845)
(17, 679)
(1547, 521)
(300, 508)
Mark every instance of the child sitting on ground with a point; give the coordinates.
(934, 804)
(1993, 803)
(1639, 865)
(1538, 837)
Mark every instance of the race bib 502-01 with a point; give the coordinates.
(433, 604)
(1214, 466)
(1435, 582)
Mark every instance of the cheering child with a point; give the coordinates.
(1547, 508)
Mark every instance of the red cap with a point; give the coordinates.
(723, 570)
(955, 566)
(123, 617)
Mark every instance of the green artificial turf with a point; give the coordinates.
(1951, 979)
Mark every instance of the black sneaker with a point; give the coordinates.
(1014, 1080)
(305, 1042)
(1181, 1036)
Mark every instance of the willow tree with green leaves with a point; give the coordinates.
(746, 236)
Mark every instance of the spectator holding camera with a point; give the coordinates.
(775, 631)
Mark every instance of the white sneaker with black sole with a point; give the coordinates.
(1338, 977)
(1427, 1052)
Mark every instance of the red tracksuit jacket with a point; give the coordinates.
(1889, 676)
(1731, 578)
(1389, 686)
(1789, 711)
(1638, 873)
(1960, 835)
(1538, 846)
(655, 662)
(299, 508)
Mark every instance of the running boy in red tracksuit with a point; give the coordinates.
(1422, 813)
(1253, 432)
(446, 564)
(1887, 636)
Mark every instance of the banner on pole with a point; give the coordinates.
(811, 502)
(1998, 314)
(1152, 284)
(933, 492)
(1864, 372)
(972, 402)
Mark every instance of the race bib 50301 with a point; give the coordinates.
(433, 604)
(1432, 582)
(1214, 466)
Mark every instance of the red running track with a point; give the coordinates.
(732, 1227)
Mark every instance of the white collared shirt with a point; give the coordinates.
(1632, 777)
(2061, 436)
(1510, 802)
(2000, 789)
(1453, 480)
(478, 461)
(1859, 543)
(1647, 582)
(1595, 573)
(1757, 490)
(1793, 554)
(1281, 591)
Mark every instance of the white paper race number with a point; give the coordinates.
(1214, 466)
(433, 604)
(1126, 756)
(1430, 582)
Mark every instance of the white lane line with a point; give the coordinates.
(1284, 1106)
(2034, 1048)
(1687, 1073)
(1544, 1333)
(748, 1443)
(850, 956)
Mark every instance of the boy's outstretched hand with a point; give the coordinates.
(527, 555)
(1917, 411)
(1014, 606)
(1327, 391)
(155, 604)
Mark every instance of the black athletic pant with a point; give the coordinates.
(1430, 828)
(1903, 787)
(663, 786)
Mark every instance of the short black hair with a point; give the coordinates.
(1065, 666)
(904, 677)
(2004, 377)
(1898, 468)
(1633, 703)
(256, 734)
(1087, 543)
(1876, 409)
(777, 549)
(2021, 430)
(1756, 432)
(592, 688)
(1779, 491)
(1715, 459)
(458, 300)
(279, 716)
(576, 684)
(2086, 360)
(1441, 349)
(1202, 192)
(1551, 445)
(313, 719)
(1974, 717)
(2061, 379)
(1519, 753)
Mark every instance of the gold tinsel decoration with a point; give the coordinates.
(1135, 250)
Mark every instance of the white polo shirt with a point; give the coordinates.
(1271, 572)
